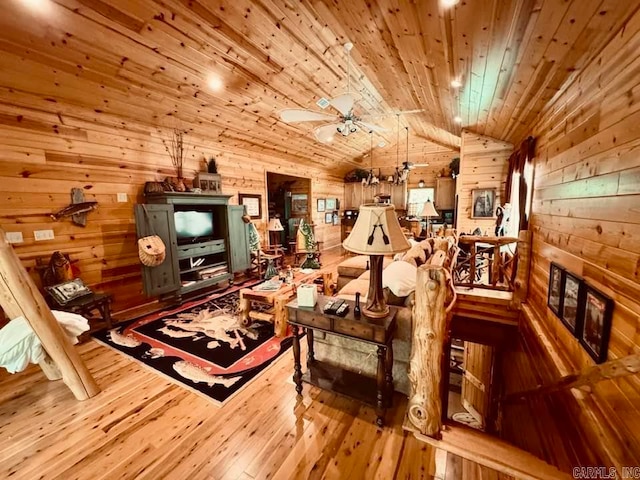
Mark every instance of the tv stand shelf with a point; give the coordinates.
(178, 275)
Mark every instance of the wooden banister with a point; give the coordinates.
(620, 367)
(486, 264)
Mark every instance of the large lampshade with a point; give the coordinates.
(376, 233)
(275, 225)
(428, 210)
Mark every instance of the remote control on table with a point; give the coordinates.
(343, 310)
(328, 305)
(334, 306)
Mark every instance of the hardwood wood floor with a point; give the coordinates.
(143, 426)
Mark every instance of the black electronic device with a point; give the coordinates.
(343, 310)
(333, 308)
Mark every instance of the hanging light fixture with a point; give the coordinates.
(371, 179)
(404, 175)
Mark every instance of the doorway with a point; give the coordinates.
(289, 200)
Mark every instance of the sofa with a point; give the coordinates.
(399, 285)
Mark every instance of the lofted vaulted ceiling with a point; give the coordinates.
(225, 69)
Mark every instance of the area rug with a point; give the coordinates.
(201, 345)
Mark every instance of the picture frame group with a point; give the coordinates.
(584, 310)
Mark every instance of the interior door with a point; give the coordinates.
(158, 220)
(476, 380)
(238, 248)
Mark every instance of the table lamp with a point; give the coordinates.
(376, 233)
(274, 226)
(428, 211)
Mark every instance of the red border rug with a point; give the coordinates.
(201, 345)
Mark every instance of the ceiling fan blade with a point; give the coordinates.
(343, 103)
(299, 115)
(371, 126)
(326, 133)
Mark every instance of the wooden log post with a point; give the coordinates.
(19, 296)
(521, 283)
(429, 335)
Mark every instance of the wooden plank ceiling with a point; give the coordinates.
(225, 69)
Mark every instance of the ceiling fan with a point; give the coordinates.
(345, 122)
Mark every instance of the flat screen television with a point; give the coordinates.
(193, 226)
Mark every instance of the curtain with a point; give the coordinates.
(519, 160)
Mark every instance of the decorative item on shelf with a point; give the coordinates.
(454, 166)
(175, 148)
(356, 176)
(212, 167)
(275, 227)
(208, 182)
(428, 210)
(376, 233)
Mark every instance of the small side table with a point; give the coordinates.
(85, 306)
(377, 392)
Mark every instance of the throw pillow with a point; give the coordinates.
(400, 278)
(416, 252)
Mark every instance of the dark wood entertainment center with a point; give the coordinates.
(226, 250)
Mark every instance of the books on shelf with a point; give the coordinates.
(213, 271)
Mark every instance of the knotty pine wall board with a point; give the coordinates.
(484, 163)
(586, 217)
(106, 161)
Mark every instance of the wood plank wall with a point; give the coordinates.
(44, 155)
(586, 217)
(483, 164)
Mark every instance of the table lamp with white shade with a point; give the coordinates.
(428, 211)
(274, 226)
(376, 233)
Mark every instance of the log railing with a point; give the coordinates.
(428, 363)
(486, 262)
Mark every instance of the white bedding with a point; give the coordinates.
(20, 346)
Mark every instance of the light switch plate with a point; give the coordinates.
(122, 197)
(14, 237)
(43, 235)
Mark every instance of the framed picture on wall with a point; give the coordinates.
(336, 218)
(321, 205)
(554, 296)
(299, 204)
(483, 201)
(252, 203)
(328, 217)
(331, 204)
(596, 323)
(572, 302)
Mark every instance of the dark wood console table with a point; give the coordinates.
(376, 331)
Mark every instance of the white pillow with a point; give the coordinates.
(400, 278)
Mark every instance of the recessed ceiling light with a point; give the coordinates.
(456, 83)
(457, 119)
(449, 3)
(215, 83)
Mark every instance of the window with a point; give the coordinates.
(417, 197)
